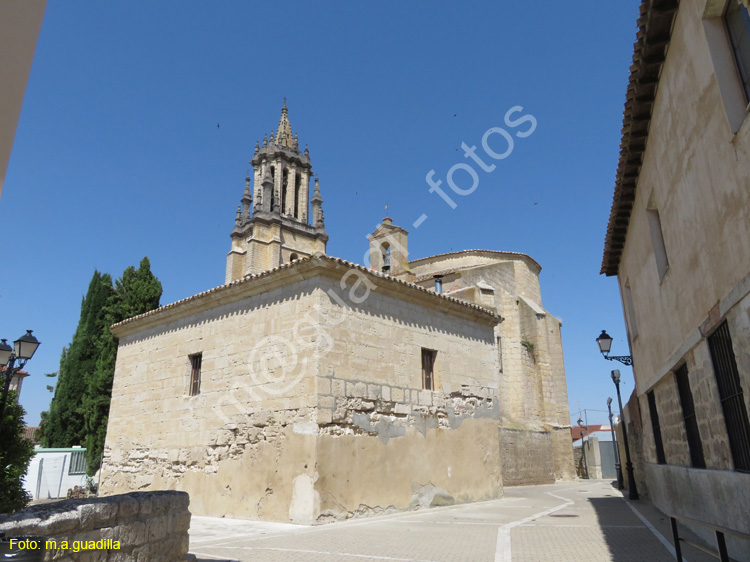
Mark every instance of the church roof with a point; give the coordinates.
(491, 252)
(316, 264)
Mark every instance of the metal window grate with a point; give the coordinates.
(730, 393)
(78, 462)
(660, 458)
(688, 415)
(428, 368)
(195, 373)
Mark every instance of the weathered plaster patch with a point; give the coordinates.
(305, 503)
(428, 495)
(305, 428)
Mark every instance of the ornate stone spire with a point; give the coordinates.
(265, 141)
(247, 200)
(284, 135)
(317, 207)
(238, 220)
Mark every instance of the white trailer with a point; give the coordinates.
(52, 472)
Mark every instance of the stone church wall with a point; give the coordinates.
(238, 445)
(281, 443)
(414, 447)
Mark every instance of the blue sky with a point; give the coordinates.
(118, 154)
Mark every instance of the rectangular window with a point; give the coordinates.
(688, 415)
(737, 21)
(195, 373)
(660, 458)
(428, 368)
(732, 398)
(657, 240)
(78, 462)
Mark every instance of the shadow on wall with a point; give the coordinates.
(622, 529)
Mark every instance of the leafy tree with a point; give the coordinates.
(79, 411)
(136, 292)
(15, 453)
(64, 425)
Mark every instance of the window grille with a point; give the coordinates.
(428, 368)
(78, 462)
(195, 373)
(660, 458)
(732, 398)
(695, 445)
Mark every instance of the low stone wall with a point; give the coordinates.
(149, 526)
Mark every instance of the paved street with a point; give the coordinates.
(586, 520)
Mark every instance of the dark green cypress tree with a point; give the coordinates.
(136, 292)
(64, 424)
(15, 452)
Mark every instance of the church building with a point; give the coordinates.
(311, 389)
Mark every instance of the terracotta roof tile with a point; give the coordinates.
(299, 263)
(649, 52)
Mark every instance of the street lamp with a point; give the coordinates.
(14, 359)
(633, 490)
(605, 344)
(618, 467)
(583, 448)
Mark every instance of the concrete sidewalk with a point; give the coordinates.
(574, 521)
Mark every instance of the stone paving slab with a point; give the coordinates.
(572, 521)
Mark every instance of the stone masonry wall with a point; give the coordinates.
(527, 457)
(531, 385)
(414, 448)
(362, 408)
(237, 446)
(149, 526)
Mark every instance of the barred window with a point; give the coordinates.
(428, 368)
(660, 458)
(195, 373)
(695, 445)
(732, 398)
(78, 462)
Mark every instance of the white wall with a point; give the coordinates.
(47, 476)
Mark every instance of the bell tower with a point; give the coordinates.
(273, 225)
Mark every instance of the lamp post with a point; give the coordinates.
(618, 467)
(14, 359)
(583, 448)
(632, 489)
(605, 344)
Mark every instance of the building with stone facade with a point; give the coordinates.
(678, 241)
(309, 389)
